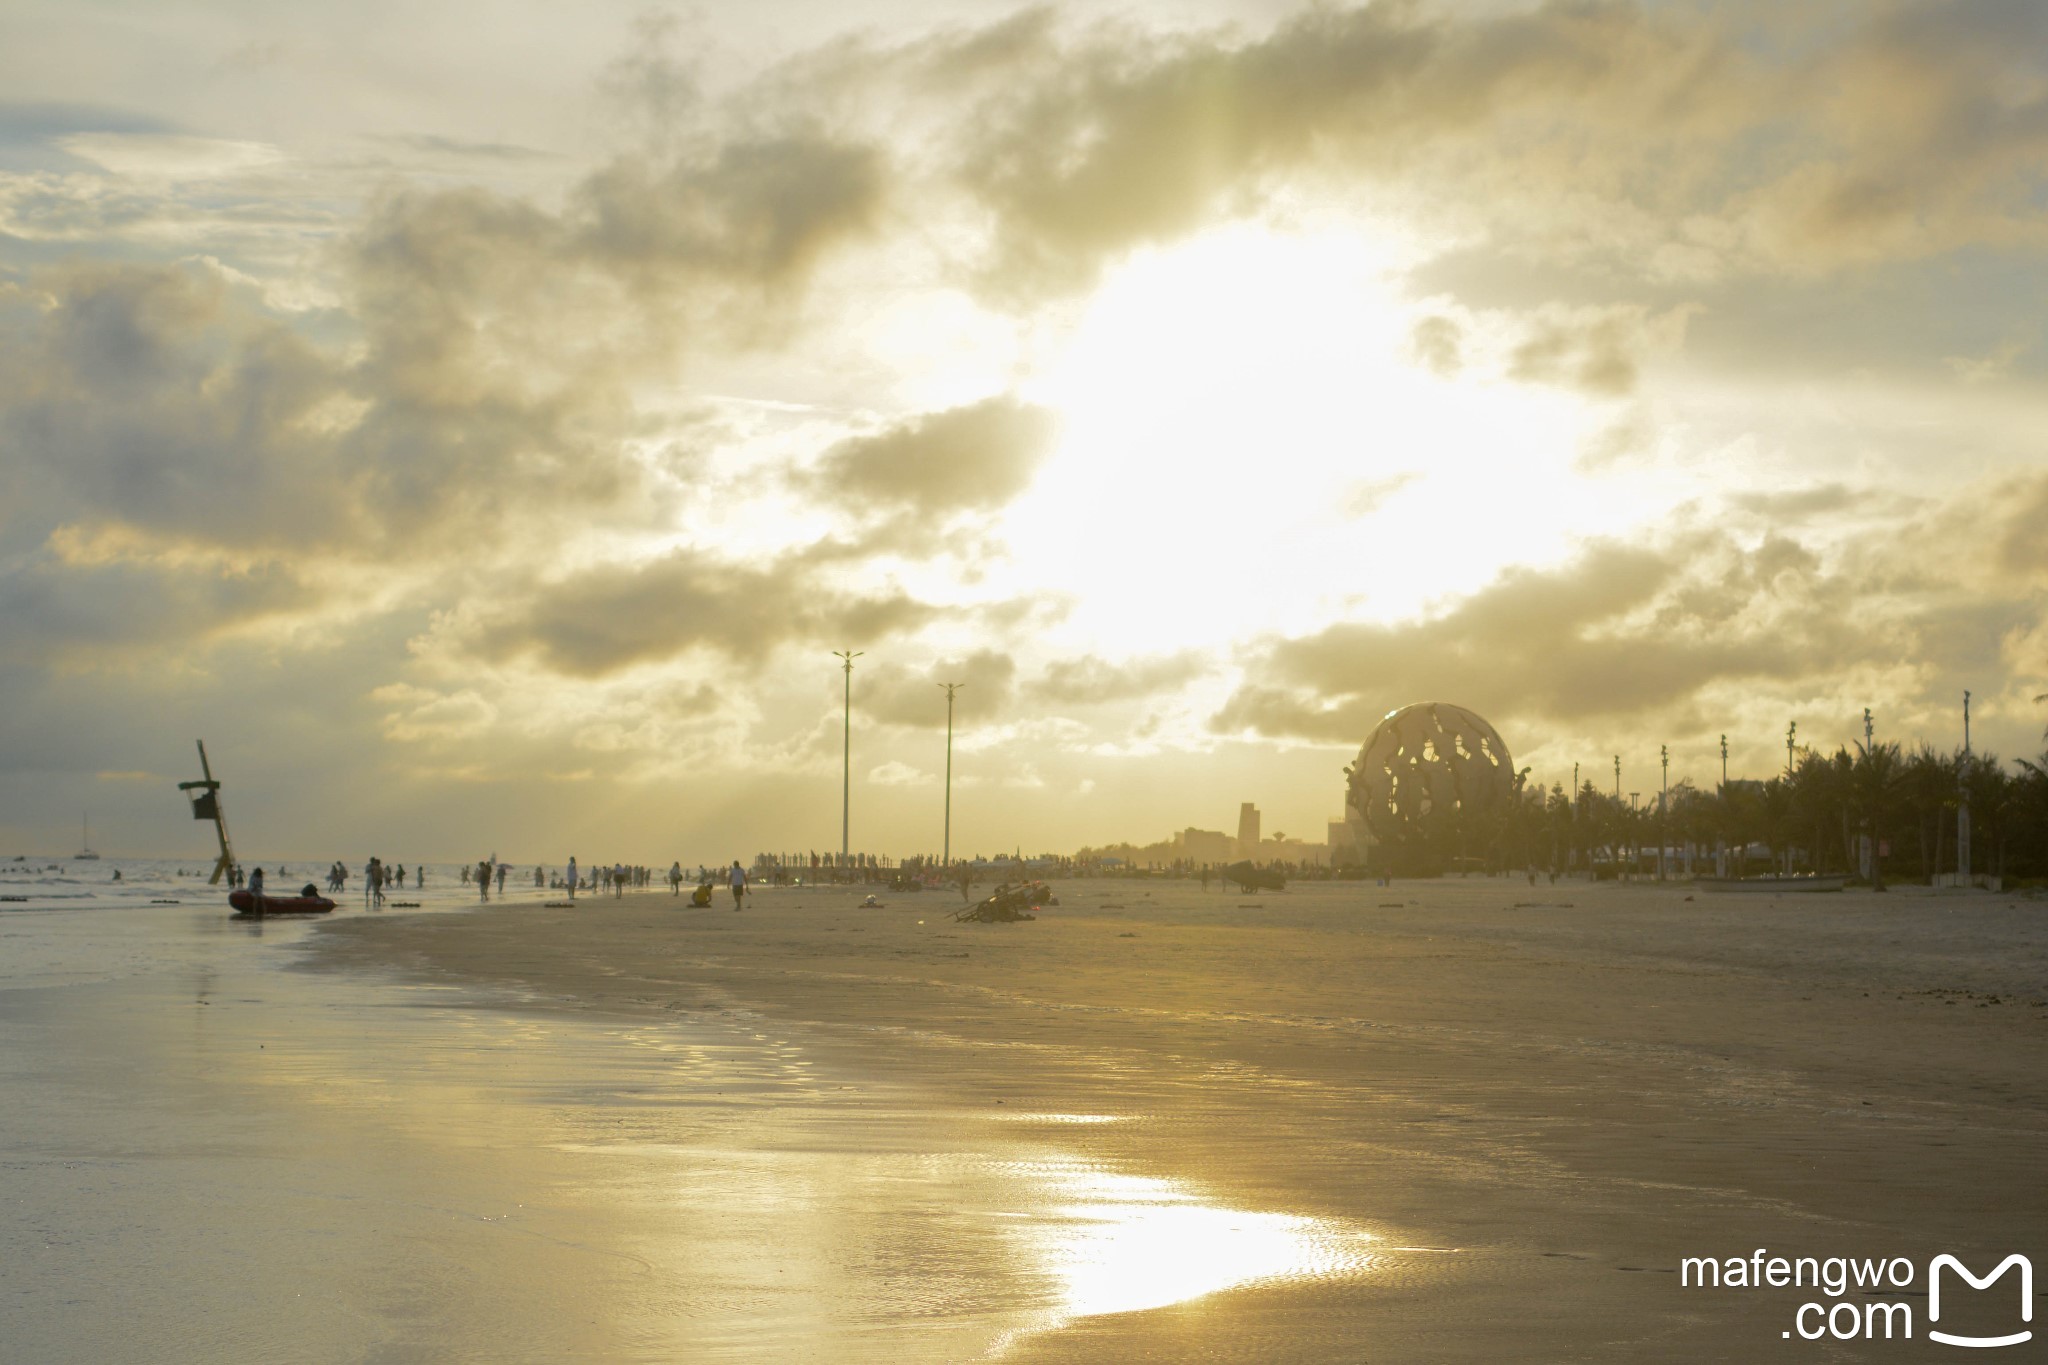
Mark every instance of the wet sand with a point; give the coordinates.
(1536, 1100)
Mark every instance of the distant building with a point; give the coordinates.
(1248, 830)
(1205, 845)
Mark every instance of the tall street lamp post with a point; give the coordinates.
(946, 857)
(846, 757)
(1721, 840)
(1664, 810)
(1963, 802)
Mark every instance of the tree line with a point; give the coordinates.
(1812, 818)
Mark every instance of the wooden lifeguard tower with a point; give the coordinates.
(205, 796)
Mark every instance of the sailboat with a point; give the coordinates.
(85, 854)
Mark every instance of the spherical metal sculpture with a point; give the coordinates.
(1426, 763)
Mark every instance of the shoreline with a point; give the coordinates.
(1574, 1086)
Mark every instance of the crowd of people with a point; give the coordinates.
(614, 880)
(377, 879)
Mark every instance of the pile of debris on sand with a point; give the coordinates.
(1009, 904)
(1253, 878)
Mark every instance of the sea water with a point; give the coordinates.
(28, 882)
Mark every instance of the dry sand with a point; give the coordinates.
(1546, 1095)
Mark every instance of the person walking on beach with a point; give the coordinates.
(256, 887)
(570, 878)
(737, 879)
(675, 878)
(618, 880)
(503, 868)
(483, 879)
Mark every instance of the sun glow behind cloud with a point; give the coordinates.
(1249, 443)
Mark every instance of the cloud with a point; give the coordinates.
(898, 695)
(64, 611)
(1597, 350)
(2023, 541)
(1090, 681)
(171, 156)
(614, 616)
(1662, 142)
(1436, 343)
(1619, 631)
(459, 150)
(972, 458)
(755, 210)
(895, 773)
(1368, 497)
(1796, 504)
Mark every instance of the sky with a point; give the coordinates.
(481, 422)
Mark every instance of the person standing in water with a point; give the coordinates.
(737, 879)
(571, 878)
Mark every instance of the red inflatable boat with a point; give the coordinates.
(247, 904)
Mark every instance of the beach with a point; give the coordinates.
(1514, 1110)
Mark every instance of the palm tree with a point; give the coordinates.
(1931, 784)
(1876, 779)
(1775, 818)
(1997, 799)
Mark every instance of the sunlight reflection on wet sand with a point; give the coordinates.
(473, 1181)
(1120, 1243)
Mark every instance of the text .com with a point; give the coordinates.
(1869, 1317)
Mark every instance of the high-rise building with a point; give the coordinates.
(1248, 830)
